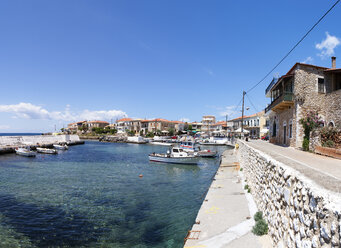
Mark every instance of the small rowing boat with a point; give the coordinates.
(25, 152)
(46, 150)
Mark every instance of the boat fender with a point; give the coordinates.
(140, 176)
(209, 150)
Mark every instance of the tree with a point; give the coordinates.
(190, 127)
(171, 131)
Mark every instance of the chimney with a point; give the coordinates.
(333, 62)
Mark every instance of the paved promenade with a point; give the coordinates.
(324, 171)
(225, 218)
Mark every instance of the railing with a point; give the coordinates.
(285, 97)
(273, 82)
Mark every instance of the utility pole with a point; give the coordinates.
(243, 114)
(226, 125)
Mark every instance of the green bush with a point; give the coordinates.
(305, 144)
(328, 143)
(246, 186)
(248, 190)
(260, 228)
(241, 169)
(258, 216)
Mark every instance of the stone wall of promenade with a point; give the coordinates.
(36, 139)
(299, 212)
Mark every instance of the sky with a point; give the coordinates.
(65, 61)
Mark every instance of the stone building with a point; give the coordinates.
(304, 88)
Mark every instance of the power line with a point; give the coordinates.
(292, 49)
(251, 102)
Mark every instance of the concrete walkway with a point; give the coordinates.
(225, 218)
(324, 171)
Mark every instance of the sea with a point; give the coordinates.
(100, 195)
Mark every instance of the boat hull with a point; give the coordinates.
(26, 154)
(46, 151)
(174, 160)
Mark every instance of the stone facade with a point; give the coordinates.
(306, 97)
(299, 213)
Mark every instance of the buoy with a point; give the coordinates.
(140, 175)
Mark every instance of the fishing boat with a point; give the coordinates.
(60, 147)
(25, 152)
(160, 143)
(46, 150)
(187, 144)
(175, 155)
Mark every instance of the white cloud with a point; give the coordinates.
(185, 120)
(4, 127)
(231, 111)
(328, 45)
(308, 60)
(30, 111)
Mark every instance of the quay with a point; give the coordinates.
(225, 218)
(9, 143)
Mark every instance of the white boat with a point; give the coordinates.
(187, 144)
(175, 155)
(160, 143)
(46, 150)
(60, 147)
(214, 141)
(25, 152)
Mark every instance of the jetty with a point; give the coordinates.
(9, 143)
(225, 218)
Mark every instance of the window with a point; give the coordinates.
(321, 85)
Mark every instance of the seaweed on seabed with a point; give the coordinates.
(48, 226)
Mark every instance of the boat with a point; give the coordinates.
(160, 143)
(206, 153)
(187, 144)
(25, 152)
(46, 150)
(214, 141)
(60, 147)
(175, 155)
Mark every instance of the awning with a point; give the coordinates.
(239, 130)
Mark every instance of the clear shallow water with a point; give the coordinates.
(92, 196)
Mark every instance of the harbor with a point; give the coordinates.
(96, 197)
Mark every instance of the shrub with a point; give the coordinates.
(305, 144)
(241, 169)
(258, 216)
(249, 190)
(260, 228)
(246, 186)
(328, 143)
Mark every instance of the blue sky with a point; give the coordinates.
(67, 60)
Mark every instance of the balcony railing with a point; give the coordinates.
(273, 82)
(283, 98)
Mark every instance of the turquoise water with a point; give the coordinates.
(92, 196)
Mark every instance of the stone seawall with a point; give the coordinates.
(300, 213)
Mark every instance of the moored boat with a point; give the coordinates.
(25, 152)
(46, 150)
(60, 147)
(175, 155)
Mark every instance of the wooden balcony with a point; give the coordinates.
(282, 102)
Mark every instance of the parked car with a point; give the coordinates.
(265, 137)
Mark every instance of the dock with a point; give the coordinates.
(8, 144)
(225, 218)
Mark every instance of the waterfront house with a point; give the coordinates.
(220, 128)
(255, 125)
(196, 126)
(207, 122)
(75, 125)
(100, 124)
(123, 125)
(302, 89)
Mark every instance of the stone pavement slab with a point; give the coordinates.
(224, 216)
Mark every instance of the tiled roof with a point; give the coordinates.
(124, 119)
(247, 116)
(315, 66)
(105, 122)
